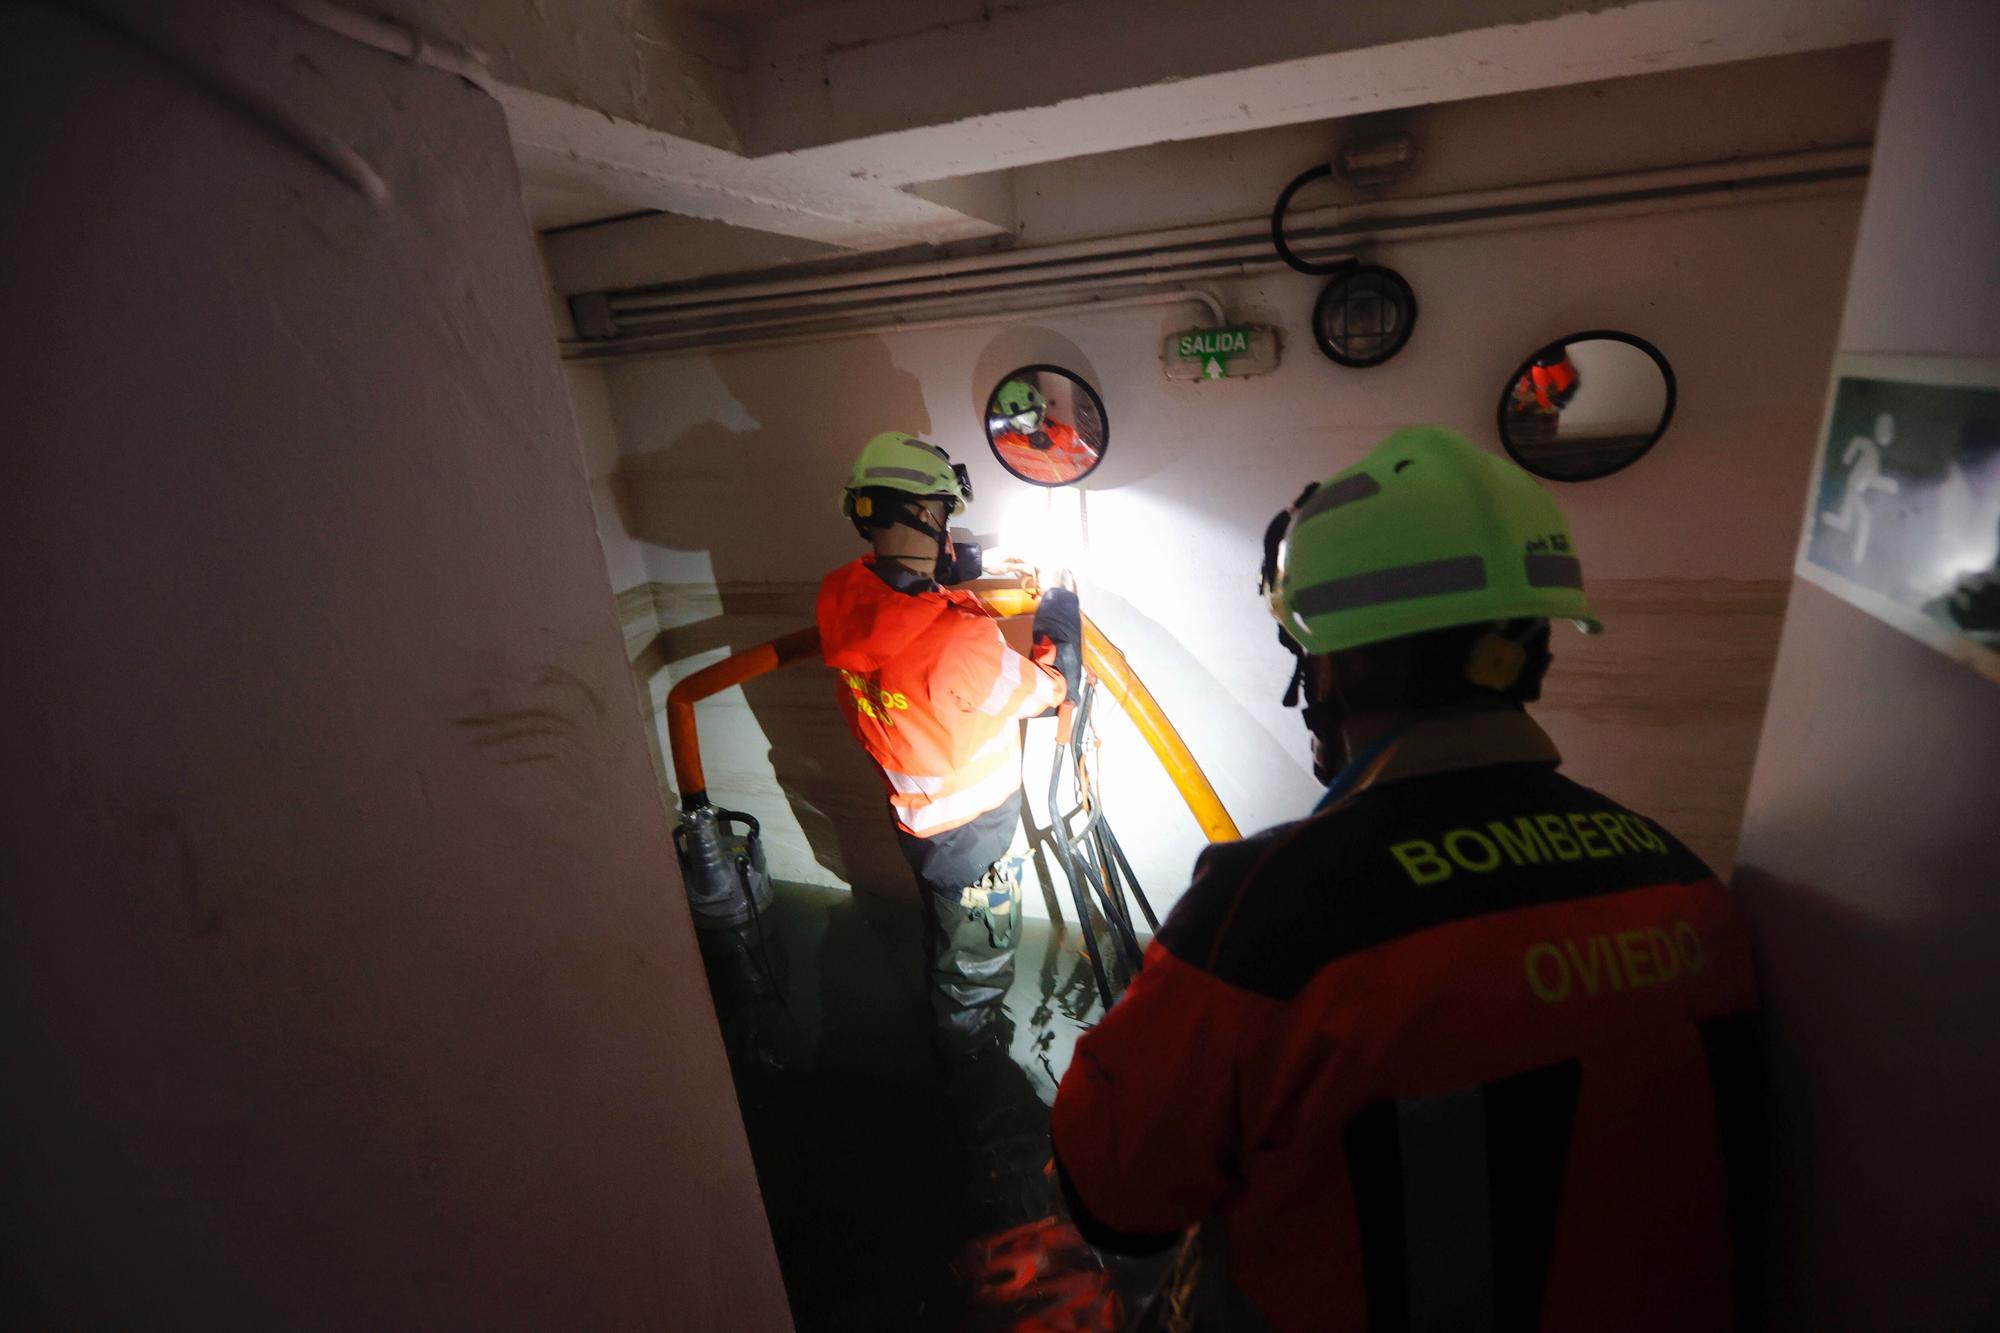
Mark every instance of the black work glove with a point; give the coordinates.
(1059, 624)
(1058, 618)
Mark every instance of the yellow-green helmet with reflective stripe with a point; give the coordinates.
(1021, 405)
(894, 461)
(1427, 532)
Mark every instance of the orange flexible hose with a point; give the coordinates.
(799, 646)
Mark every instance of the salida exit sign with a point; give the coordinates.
(1221, 354)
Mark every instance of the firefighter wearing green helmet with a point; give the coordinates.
(934, 694)
(1031, 443)
(1470, 1046)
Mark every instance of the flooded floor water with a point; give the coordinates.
(907, 1185)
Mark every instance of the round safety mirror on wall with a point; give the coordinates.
(1047, 426)
(1586, 405)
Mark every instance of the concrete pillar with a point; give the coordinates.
(347, 977)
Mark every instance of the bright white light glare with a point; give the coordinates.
(1046, 528)
(1972, 520)
(1956, 564)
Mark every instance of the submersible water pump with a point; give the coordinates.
(727, 882)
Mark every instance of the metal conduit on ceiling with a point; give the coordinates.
(1123, 271)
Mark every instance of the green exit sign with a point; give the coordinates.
(1221, 354)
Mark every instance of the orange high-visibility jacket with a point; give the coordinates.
(1066, 458)
(1546, 388)
(933, 693)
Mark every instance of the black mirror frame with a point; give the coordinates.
(1096, 400)
(1659, 359)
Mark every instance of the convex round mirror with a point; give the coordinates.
(1047, 426)
(1586, 405)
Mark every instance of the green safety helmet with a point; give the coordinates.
(896, 462)
(1425, 533)
(1018, 398)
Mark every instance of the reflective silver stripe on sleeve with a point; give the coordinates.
(1555, 571)
(1003, 689)
(1357, 487)
(897, 474)
(1431, 578)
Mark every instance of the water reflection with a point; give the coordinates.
(908, 1183)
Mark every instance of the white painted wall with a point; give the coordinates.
(597, 434)
(1620, 391)
(348, 979)
(732, 463)
(1870, 848)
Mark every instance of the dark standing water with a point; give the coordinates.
(908, 1186)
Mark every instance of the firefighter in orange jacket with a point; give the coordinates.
(936, 697)
(1034, 445)
(1547, 386)
(1470, 1047)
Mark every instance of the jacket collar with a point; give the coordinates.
(1466, 741)
(899, 576)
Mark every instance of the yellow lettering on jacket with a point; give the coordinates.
(1587, 835)
(1548, 973)
(1617, 961)
(1557, 833)
(1521, 842)
(1528, 840)
(1421, 861)
(1472, 851)
(871, 700)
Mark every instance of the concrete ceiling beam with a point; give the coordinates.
(618, 106)
(572, 151)
(633, 60)
(878, 125)
(1034, 84)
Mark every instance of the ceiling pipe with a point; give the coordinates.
(582, 350)
(989, 280)
(1079, 296)
(1039, 296)
(690, 335)
(709, 290)
(1231, 237)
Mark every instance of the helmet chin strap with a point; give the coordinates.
(940, 561)
(908, 518)
(1356, 770)
(1323, 717)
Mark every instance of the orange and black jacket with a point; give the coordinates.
(1470, 1049)
(1054, 455)
(935, 695)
